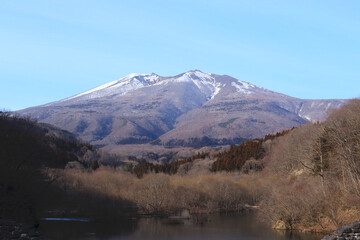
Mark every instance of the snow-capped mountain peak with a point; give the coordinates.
(148, 79)
(210, 85)
(188, 109)
(204, 81)
(119, 87)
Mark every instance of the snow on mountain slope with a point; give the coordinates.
(191, 109)
(316, 110)
(119, 87)
(207, 84)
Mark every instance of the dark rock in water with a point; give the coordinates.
(349, 231)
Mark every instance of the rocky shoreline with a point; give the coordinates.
(350, 231)
(13, 230)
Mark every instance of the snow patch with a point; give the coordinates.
(307, 118)
(203, 75)
(120, 87)
(205, 82)
(329, 105)
(243, 88)
(216, 91)
(94, 90)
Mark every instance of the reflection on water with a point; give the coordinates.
(67, 219)
(218, 227)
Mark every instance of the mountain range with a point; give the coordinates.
(190, 109)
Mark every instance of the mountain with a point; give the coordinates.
(191, 109)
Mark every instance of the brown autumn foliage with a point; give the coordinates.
(161, 194)
(232, 160)
(235, 159)
(313, 174)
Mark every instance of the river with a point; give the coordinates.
(240, 227)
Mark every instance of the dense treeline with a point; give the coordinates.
(171, 168)
(236, 157)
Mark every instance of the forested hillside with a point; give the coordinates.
(238, 156)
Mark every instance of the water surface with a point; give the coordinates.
(217, 227)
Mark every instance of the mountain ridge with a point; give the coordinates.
(179, 110)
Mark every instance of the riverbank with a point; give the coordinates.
(108, 191)
(10, 229)
(349, 231)
(217, 226)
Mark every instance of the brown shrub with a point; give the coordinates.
(160, 194)
(152, 193)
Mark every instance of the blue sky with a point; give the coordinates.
(51, 50)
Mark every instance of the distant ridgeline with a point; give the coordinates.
(246, 154)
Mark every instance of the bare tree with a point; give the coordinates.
(153, 192)
(344, 135)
